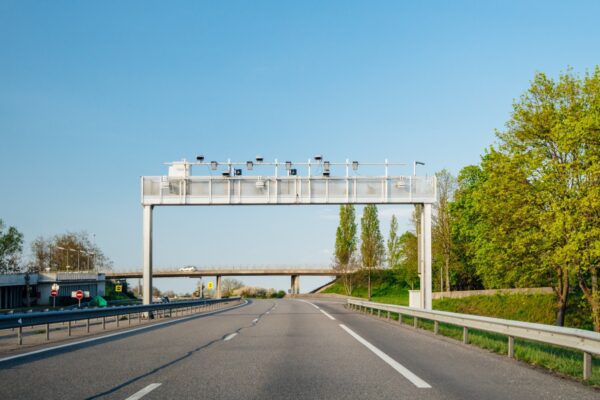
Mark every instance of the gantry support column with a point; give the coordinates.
(425, 256)
(218, 289)
(295, 284)
(147, 254)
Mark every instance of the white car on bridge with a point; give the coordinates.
(188, 269)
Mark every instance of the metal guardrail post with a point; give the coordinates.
(465, 335)
(587, 366)
(20, 336)
(436, 327)
(47, 331)
(104, 323)
(511, 347)
(69, 328)
(88, 325)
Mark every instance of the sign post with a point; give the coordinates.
(54, 293)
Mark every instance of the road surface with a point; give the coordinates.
(289, 348)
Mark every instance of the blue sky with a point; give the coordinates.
(94, 95)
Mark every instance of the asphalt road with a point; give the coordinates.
(292, 349)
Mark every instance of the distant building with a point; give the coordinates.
(13, 287)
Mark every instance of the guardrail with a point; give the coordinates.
(577, 339)
(20, 320)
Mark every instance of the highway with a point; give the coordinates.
(289, 348)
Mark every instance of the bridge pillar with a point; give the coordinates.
(425, 256)
(218, 288)
(147, 235)
(295, 289)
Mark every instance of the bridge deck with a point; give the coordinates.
(225, 272)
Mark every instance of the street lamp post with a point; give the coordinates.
(67, 251)
(415, 163)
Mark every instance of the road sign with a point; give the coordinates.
(55, 287)
(118, 288)
(78, 294)
(210, 285)
(54, 293)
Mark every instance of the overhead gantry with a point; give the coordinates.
(238, 183)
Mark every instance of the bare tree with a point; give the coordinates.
(442, 229)
(68, 252)
(229, 285)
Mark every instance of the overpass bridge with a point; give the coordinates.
(219, 272)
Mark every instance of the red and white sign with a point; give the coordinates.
(54, 293)
(55, 287)
(78, 294)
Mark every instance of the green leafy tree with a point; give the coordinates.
(372, 249)
(393, 245)
(466, 228)
(408, 263)
(345, 245)
(539, 203)
(11, 247)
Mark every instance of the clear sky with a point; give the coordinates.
(95, 94)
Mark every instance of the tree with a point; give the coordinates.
(68, 252)
(539, 203)
(465, 227)
(442, 226)
(372, 249)
(345, 245)
(408, 260)
(393, 245)
(11, 247)
(229, 285)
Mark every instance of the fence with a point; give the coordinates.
(20, 320)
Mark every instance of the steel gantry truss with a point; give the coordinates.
(238, 183)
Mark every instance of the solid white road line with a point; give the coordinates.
(308, 302)
(418, 382)
(230, 336)
(328, 316)
(143, 392)
(62, 346)
(317, 307)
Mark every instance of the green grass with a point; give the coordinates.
(537, 308)
(384, 288)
